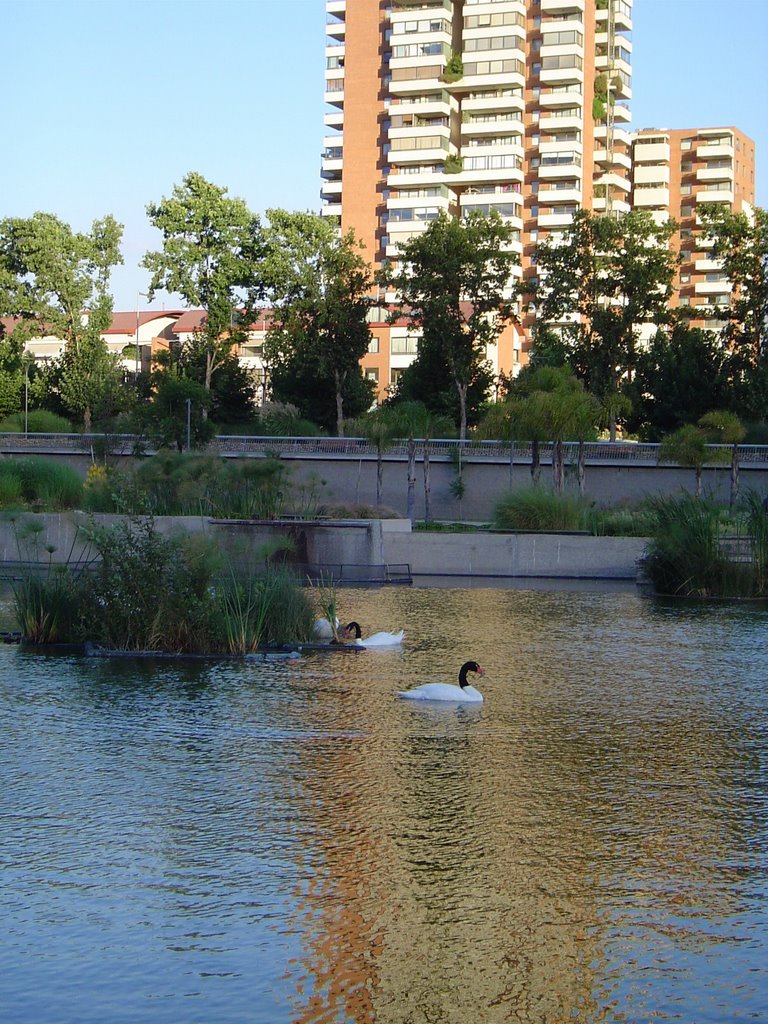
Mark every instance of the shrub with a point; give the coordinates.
(174, 484)
(40, 483)
(685, 556)
(149, 591)
(536, 509)
(38, 421)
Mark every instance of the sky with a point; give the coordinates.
(107, 104)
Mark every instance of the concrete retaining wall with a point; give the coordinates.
(355, 542)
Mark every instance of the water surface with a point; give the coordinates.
(223, 842)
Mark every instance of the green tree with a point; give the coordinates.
(688, 447)
(550, 403)
(56, 281)
(428, 381)
(597, 286)
(175, 415)
(11, 374)
(320, 286)
(232, 394)
(211, 253)
(455, 282)
(379, 426)
(682, 374)
(724, 427)
(741, 247)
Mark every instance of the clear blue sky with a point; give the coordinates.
(108, 103)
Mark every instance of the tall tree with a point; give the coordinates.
(56, 281)
(320, 286)
(741, 247)
(598, 285)
(212, 247)
(455, 282)
(682, 374)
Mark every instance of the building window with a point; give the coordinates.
(402, 345)
(394, 375)
(372, 374)
(373, 345)
(685, 278)
(686, 143)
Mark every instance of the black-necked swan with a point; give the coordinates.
(380, 639)
(323, 630)
(463, 693)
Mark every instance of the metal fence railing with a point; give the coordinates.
(595, 452)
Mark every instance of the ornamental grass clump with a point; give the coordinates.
(538, 510)
(686, 556)
(180, 484)
(37, 483)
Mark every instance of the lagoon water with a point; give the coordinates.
(285, 843)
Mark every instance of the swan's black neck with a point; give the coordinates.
(354, 627)
(468, 666)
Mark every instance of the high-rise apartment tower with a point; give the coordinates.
(679, 172)
(518, 106)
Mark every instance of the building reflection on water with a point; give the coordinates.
(530, 859)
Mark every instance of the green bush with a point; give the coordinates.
(686, 557)
(39, 421)
(536, 509)
(39, 483)
(149, 591)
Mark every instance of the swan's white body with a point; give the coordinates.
(322, 629)
(443, 691)
(461, 694)
(381, 639)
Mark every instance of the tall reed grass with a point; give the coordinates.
(39, 484)
(536, 509)
(686, 555)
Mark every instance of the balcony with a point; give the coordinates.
(557, 218)
(477, 126)
(334, 119)
(547, 196)
(600, 205)
(710, 173)
(712, 287)
(716, 150)
(708, 266)
(561, 96)
(647, 173)
(651, 153)
(616, 159)
(565, 169)
(500, 103)
(556, 123)
(331, 190)
(330, 209)
(719, 195)
(651, 197)
(561, 6)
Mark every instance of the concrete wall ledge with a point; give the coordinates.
(373, 542)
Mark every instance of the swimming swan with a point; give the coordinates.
(380, 639)
(463, 693)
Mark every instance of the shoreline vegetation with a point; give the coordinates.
(142, 591)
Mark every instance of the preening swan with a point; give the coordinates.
(463, 693)
(380, 639)
(322, 629)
